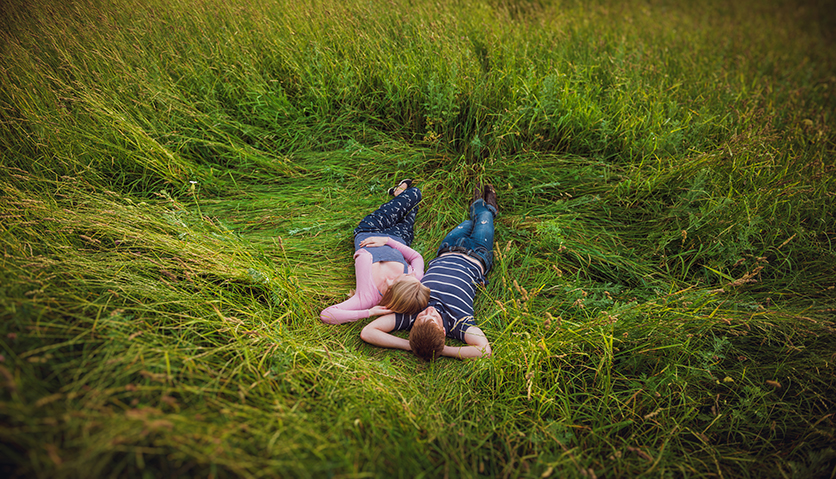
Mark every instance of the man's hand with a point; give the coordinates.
(478, 346)
(373, 241)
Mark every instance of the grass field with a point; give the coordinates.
(180, 181)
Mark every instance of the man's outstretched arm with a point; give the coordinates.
(478, 346)
(378, 333)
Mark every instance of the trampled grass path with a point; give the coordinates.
(180, 180)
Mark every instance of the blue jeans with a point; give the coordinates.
(473, 237)
(396, 217)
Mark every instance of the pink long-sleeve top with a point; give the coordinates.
(366, 294)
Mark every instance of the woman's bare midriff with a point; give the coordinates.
(383, 271)
(469, 258)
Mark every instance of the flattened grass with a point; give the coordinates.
(179, 182)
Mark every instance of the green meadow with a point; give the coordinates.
(179, 181)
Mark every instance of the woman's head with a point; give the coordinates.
(406, 295)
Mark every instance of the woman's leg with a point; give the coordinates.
(395, 217)
(406, 227)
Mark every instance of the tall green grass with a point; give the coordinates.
(180, 179)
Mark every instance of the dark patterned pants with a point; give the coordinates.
(396, 217)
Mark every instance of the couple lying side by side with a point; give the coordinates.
(434, 305)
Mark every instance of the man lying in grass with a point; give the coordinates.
(463, 259)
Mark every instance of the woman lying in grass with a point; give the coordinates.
(388, 271)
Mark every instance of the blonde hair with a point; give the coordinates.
(426, 340)
(406, 297)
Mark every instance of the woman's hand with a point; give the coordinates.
(373, 241)
(379, 311)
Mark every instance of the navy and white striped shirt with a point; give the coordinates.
(452, 280)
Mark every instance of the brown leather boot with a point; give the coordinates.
(490, 196)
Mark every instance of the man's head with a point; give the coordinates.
(426, 339)
(406, 295)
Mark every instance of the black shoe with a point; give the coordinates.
(490, 196)
(408, 182)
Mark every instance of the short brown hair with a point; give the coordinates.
(426, 340)
(406, 297)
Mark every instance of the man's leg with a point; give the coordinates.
(481, 215)
(456, 235)
(395, 217)
(482, 233)
(475, 234)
